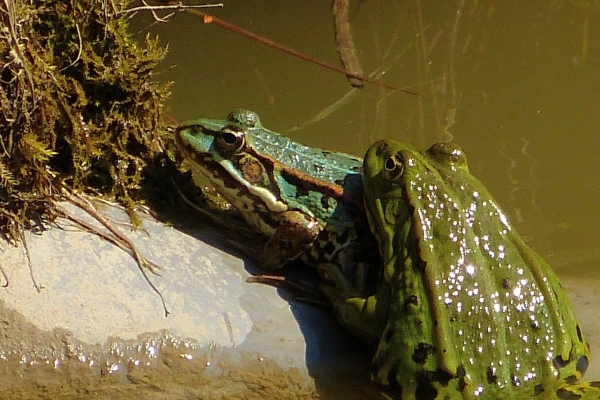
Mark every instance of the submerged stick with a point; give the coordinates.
(345, 44)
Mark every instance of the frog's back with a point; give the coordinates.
(332, 167)
(476, 312)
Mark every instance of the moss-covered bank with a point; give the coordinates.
(79, 105)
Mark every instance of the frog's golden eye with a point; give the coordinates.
(229, 141)
(394, 165)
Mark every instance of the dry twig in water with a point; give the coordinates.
(345, 44)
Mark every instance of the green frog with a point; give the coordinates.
(305, 202)
(464, 308)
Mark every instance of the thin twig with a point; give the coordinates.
(207, 18)
(16, 52)
(176, 7)
(29, 263)
(155, 15)
(5, 276)
(86, 226)
(78, 52)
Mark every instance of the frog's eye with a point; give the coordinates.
(244, 117)
(394, 165)
(229, 141)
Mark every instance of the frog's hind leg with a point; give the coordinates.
(363, 316)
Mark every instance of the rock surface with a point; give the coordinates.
(96, 326)
(97, 329)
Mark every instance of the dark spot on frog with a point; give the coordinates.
(421, 353)
(567, 395)
(571, 380)
(579, 334)
(412, 300)
(393, 380)
(302, 191)
(243, 192)
(554, 292)
(559, 362)
(539, 389)
(325, 201)
(460, 374)
(506, 283)
(582, 364)
(252, 170)
(422, 265)
(387, 335)
(328, 248)
(535, 324)
(343, 237)
(492, 378)
(425, 391)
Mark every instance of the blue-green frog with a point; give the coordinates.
(464, 308)
(305, 202)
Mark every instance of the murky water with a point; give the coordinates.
(516, 84)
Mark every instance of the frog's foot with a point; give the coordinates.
(301, 291)
(334, 284)
(356, 313)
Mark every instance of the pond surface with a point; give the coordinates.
(515, 84)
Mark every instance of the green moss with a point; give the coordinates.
(79, 104)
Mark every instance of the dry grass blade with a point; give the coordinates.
(115, 236)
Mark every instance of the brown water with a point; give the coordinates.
(516, 84)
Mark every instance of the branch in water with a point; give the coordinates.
(345, 44)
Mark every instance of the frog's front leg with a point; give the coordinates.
(364, 316)
(294, 233)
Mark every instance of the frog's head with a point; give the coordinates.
(223, 152)
(205, 140)
(383, 177)
(397, 179)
